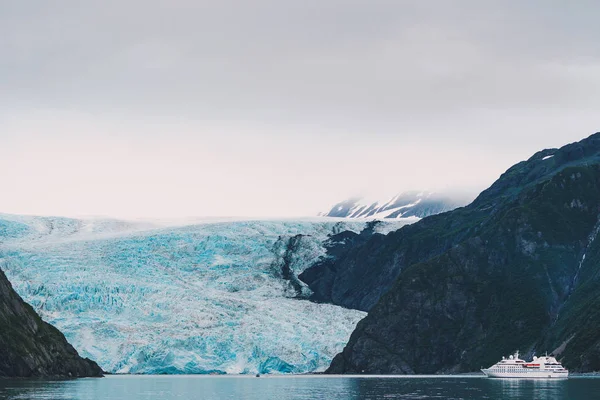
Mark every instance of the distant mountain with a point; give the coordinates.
(29, 347)
(519, 268)
(403, 205)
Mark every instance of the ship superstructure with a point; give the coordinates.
(546, 367)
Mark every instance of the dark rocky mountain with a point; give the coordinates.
(29, 347)
(519, 268)
(339, 278)
(404, 205)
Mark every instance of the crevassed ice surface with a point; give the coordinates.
(193, 299)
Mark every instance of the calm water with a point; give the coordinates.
(281, 388)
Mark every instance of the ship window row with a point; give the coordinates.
(510, 369)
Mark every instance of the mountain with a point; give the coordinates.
(519, 268)
(403, 205)
(220, 297)
(29, 347)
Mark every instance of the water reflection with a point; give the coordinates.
(288, 388)
(541, 389)
(423, 388)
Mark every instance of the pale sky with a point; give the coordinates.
(179, 108)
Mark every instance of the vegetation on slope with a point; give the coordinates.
(504, 273)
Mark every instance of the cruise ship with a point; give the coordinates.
(545, 367)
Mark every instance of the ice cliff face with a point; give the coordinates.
(214, 297)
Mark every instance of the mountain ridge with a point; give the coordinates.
(517, 268)
(30, 347)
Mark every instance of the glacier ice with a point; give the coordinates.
(204, 298)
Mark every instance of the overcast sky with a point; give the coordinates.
(147, 108)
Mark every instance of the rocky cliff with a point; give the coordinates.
(519, 268)
(29, 347)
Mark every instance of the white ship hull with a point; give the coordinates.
(540, 374)
(545, 367)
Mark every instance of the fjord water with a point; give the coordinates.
(298, 387)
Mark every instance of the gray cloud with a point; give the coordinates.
(502, 77)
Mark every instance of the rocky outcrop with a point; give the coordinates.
(519, 268)
(291, 255)
(29, 347)
(339, 278)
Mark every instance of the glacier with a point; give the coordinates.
(212, 297)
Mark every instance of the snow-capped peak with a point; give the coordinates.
(403, 205)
